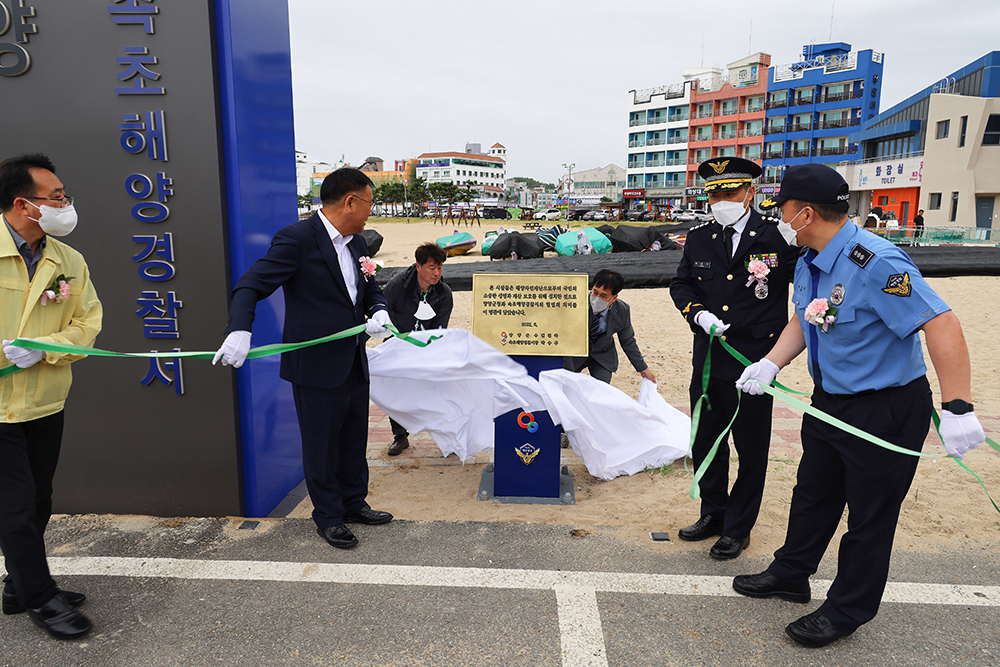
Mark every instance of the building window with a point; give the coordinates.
(934, 203)
(992, 134)
(954, 207)
(961, 136)
(942, 129)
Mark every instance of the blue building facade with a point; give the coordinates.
(813, 105)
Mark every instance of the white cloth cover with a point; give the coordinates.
(614, 434)
(454, 387)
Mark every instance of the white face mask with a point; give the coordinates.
(56, 221)
(424, 311)
(597, 304)
(790, 235)
(727, 213)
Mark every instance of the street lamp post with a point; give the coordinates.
(569, 183)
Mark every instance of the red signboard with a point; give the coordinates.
(633, 194)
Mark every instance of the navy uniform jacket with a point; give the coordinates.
(707, 280)
(303, 262)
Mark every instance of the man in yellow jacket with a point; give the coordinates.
(45, 295)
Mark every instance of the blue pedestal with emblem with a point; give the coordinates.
(526, 457)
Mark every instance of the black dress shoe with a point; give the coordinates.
(368, 516)
(11, 605)
(728, 548)
(399, 443)
(815, 630)
(705, 527)
(339, 536)
(60, 619)
(766, 585)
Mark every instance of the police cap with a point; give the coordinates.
(814, 183)
(727, 173)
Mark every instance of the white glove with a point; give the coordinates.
(706, 319)
(960, 433)
(755, 375)
(234, 349)
(22, 357)
(376, 324)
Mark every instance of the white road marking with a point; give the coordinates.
(581, 632)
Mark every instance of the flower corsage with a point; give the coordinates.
(758, 271)
(58, 291)
(820, 313)
(369, 266)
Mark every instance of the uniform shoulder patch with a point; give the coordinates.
(898, 284)
(860, 255)
(704, 224)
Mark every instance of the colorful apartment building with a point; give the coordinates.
(726, 119)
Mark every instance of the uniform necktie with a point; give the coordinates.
(727, 235)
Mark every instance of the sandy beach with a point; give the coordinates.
(945, 506)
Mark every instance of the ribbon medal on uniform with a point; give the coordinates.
(898, 284)
(837, 294)
(758, 274)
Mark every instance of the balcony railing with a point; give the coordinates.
(677, 139)
(839, 150)
(724, 111)
(728, 134)
(800, 127)
(751, 108)
(637, 164)
(774, 129)
(843, 122)
(676, 118)
(776, 104)
(656, 120)
(674, 162)
(774, 155)
(766, 180)
(639, 143)
(657, 141)
(849, 95)
(704, 114)
(752, 132)
(753, 157)
(798, 152)
(801, 101)
(636, 122)
(654, 163)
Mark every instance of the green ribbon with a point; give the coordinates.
(255, 353)
(775, 391)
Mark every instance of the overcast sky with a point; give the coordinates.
(550, 80)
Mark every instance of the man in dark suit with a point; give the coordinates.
(317, 262)
(609, 315)
(715, 282)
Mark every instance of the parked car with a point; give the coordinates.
(549, 214)
(677, 212)
(600, 215)
(694, 216)
(578, 214)
(496, 213)
(703, 216)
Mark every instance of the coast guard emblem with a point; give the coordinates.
(527, 452)
(760, 290)
(719, 167)
(837, 294)
(898, 284)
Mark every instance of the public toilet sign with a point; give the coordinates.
(532, 314)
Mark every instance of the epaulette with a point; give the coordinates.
(704, 224)
(770, 219)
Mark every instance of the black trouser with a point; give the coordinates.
(397, 429)
(597, 371)
(837, 469)
(737, 508)
(29, 452)
(334, 427)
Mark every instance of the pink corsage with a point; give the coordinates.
(820, 313)
(369, 267)
(758, 271)
(58, 291)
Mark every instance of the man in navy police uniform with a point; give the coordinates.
(714, 287)
(316, 262)
(868, 368)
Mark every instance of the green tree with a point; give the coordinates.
(532, 183)
(444, 193)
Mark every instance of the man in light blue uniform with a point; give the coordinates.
(860, 303)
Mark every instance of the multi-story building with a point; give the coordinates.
(938, 150)
(657, 144)
(598, 182)
(814, 105)
(471, 167)
(727, 118)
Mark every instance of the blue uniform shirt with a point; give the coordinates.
(881, 301)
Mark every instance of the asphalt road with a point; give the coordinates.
(210, 592)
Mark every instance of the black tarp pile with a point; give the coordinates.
(626, 238)
(374, 241)
(515, 245)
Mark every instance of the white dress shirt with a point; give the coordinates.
(348, 266)
(738, 228)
